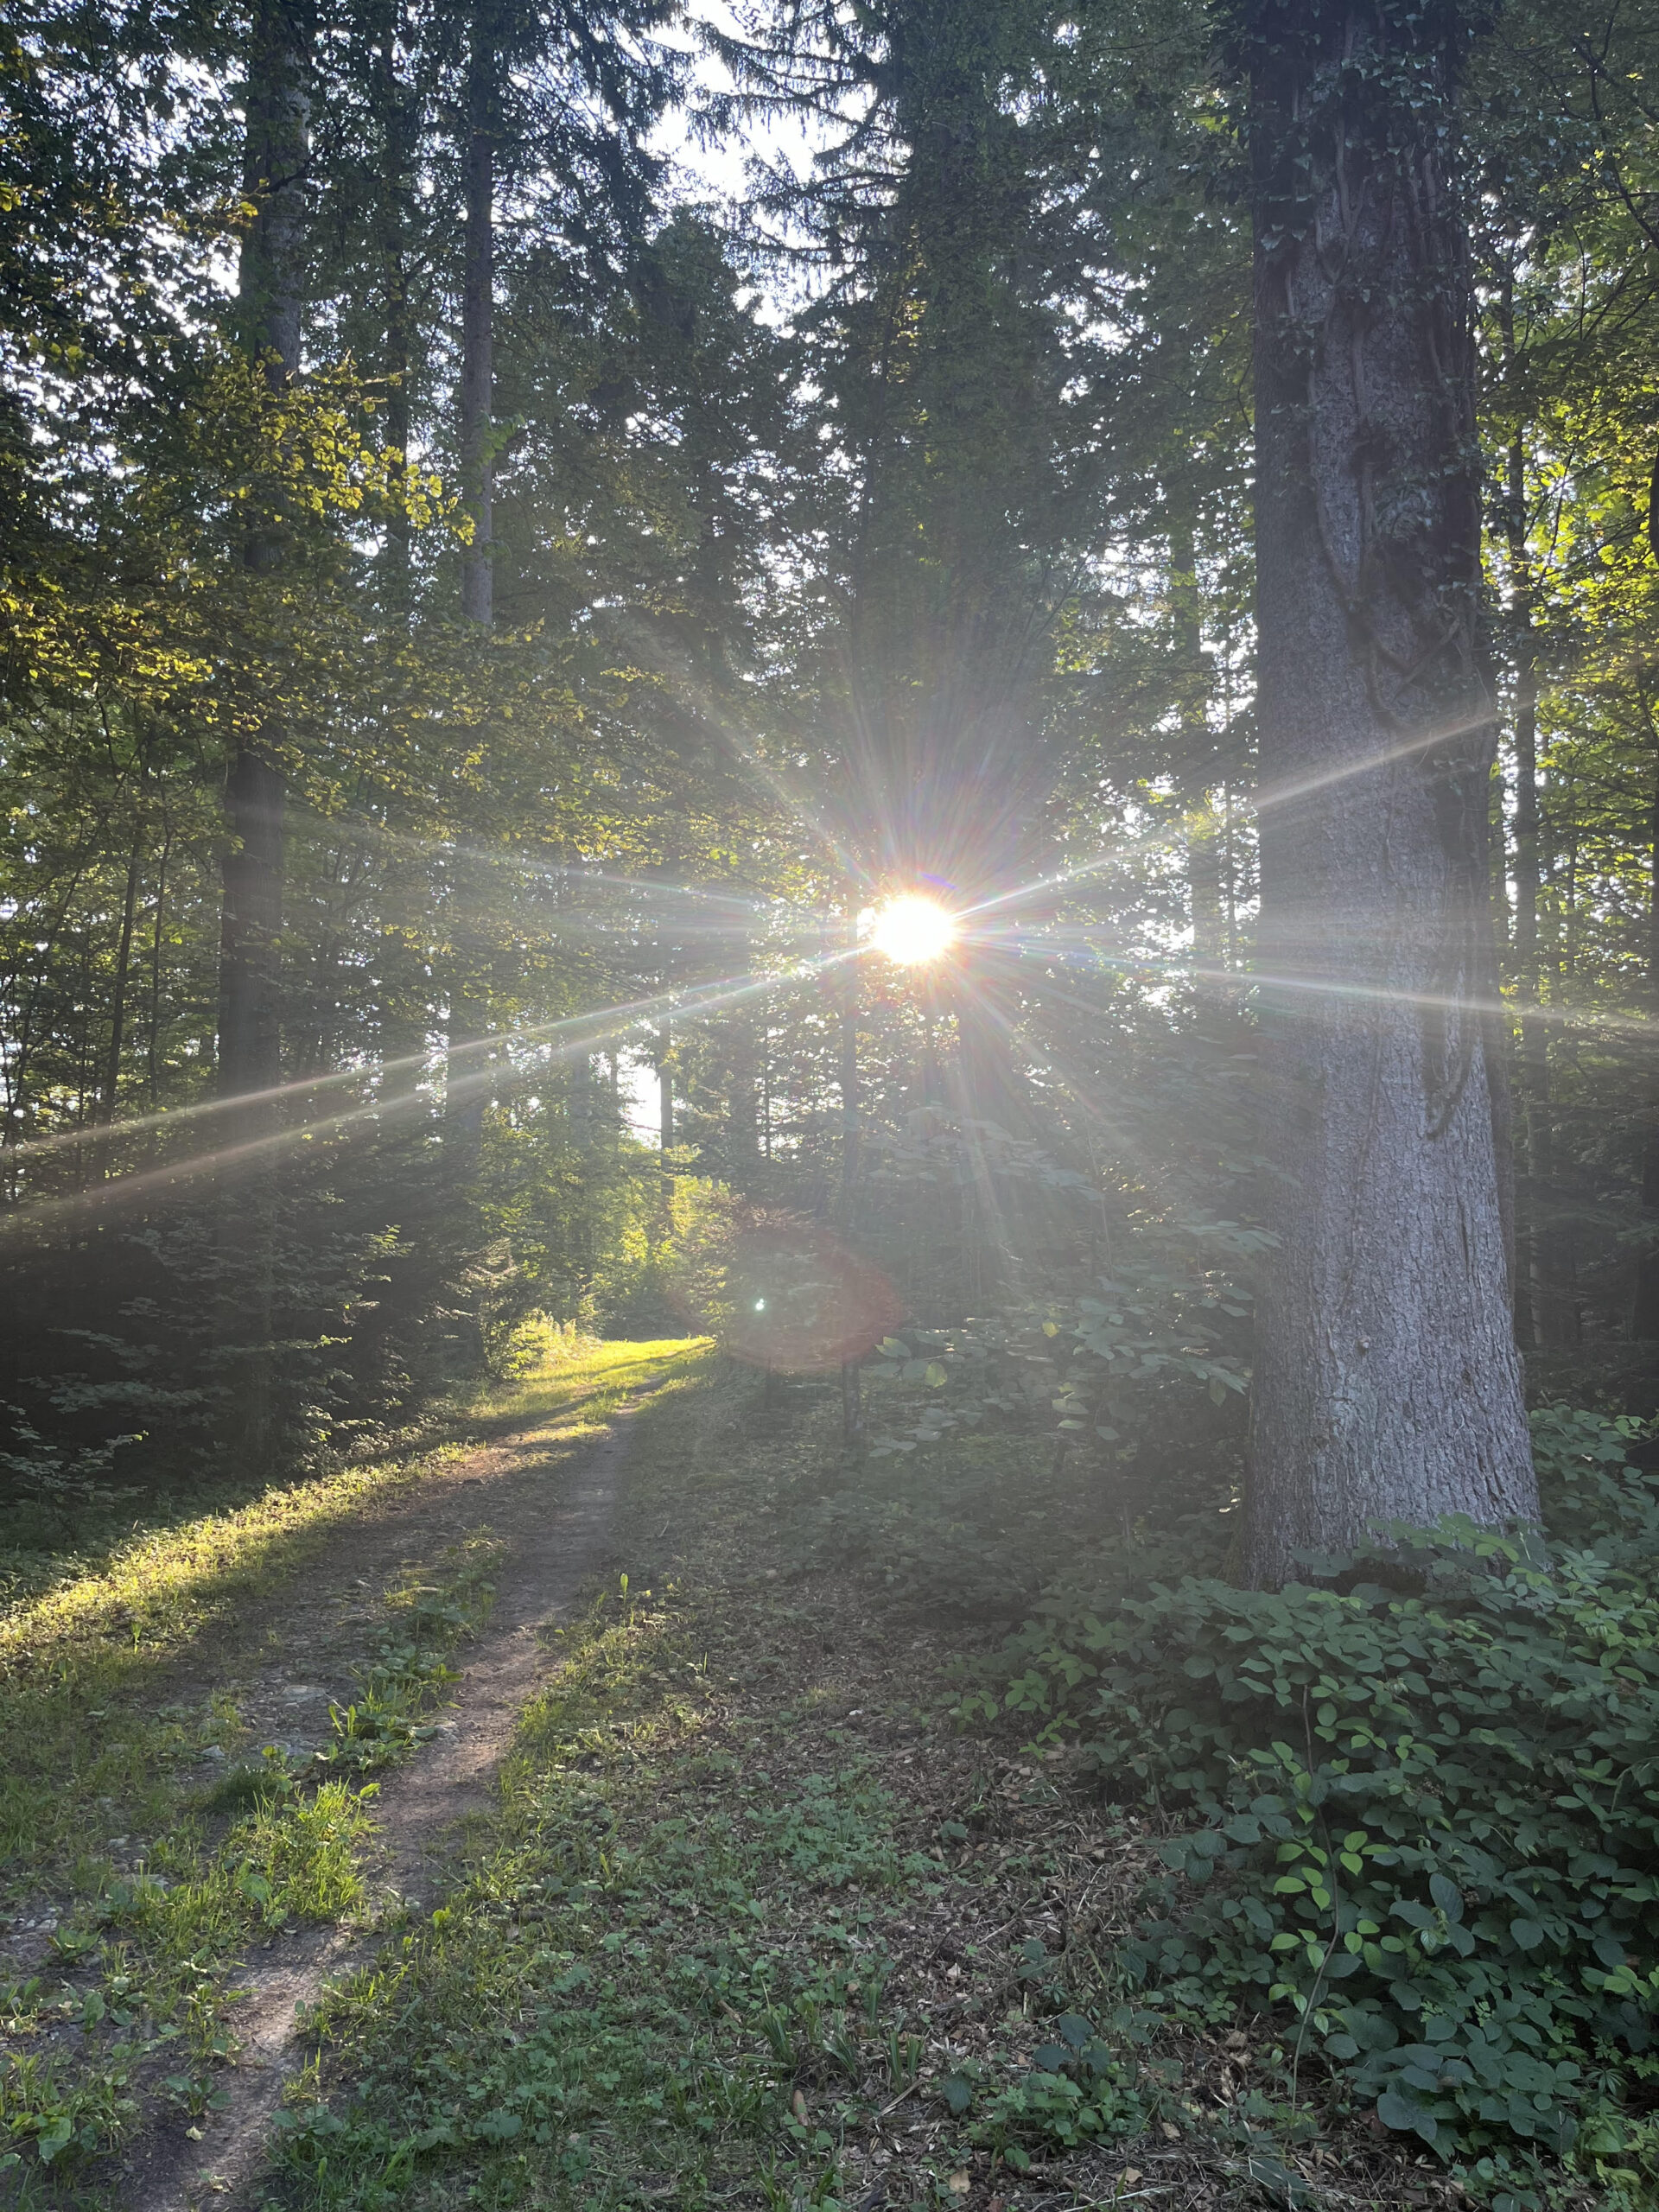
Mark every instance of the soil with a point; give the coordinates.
(553, 1546)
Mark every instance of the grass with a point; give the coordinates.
(127, 1999)
(87, 1733)
(753, 1922)
(739, 1932)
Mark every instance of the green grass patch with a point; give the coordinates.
(130, 2001)
(85, 1736)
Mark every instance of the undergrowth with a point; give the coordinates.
(1421, 1813)
(676, 1969)
(690, 1960)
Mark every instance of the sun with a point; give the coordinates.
(913, 930)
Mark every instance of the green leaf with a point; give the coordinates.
(958, 2093)
(1446, 1894)
(1397, 2112)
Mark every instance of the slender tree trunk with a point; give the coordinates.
(1532, 1299)
(478, 309)
(765, 1092)
(465, 1088)
(118, 989)
(744, 1143)
(158, 930)
(1645, 1320)
(665, 1085)
(580, 1101)
(852, 1410)
(269, 298)
(395, 105)
(269, 302)
(1388, 1386)
(1204, 847)
(850, 1105)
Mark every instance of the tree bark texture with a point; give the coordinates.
(478, 310)
(271, 289)
(1388, 1385)
(395, 115)
(271, 298)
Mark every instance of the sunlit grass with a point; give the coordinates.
(141, 1963)
(84, 1666)
(669, 1928)
(571, 1398)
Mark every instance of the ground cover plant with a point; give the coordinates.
(1417, 1805)
(756, 1922)
(753, 1917)
(742, 1923)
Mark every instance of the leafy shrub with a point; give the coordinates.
(1115, 1366)
(1592, 1498)
(65, 1485)
(1078, 2092)
(1428, 1821)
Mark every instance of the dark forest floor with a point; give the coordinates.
(655, 1874)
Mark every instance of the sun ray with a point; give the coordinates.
(570, 1036)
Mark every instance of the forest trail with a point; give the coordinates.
(707, 1897)
(552, 1547)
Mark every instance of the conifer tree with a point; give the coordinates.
(1387, 1383)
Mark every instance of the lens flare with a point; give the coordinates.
(913, 930)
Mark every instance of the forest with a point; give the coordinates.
(830, 1104)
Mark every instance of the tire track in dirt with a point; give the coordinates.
(556, 1547)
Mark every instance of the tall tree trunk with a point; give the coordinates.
(1533, 1316)
(478, 308)
(580, 1101)
(118, 988)
(158, 930)
(743, 1146)
(465, 1088)
(848, 1073)
(665, 1084)
(270, 299)
(394, 102)
(852, 1411)
(269, 302)
(1388, 1386)
(1204, 844)
(1645, 1320)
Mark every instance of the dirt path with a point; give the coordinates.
(556, 1543)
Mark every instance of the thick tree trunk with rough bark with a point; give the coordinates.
(1388, 1385)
